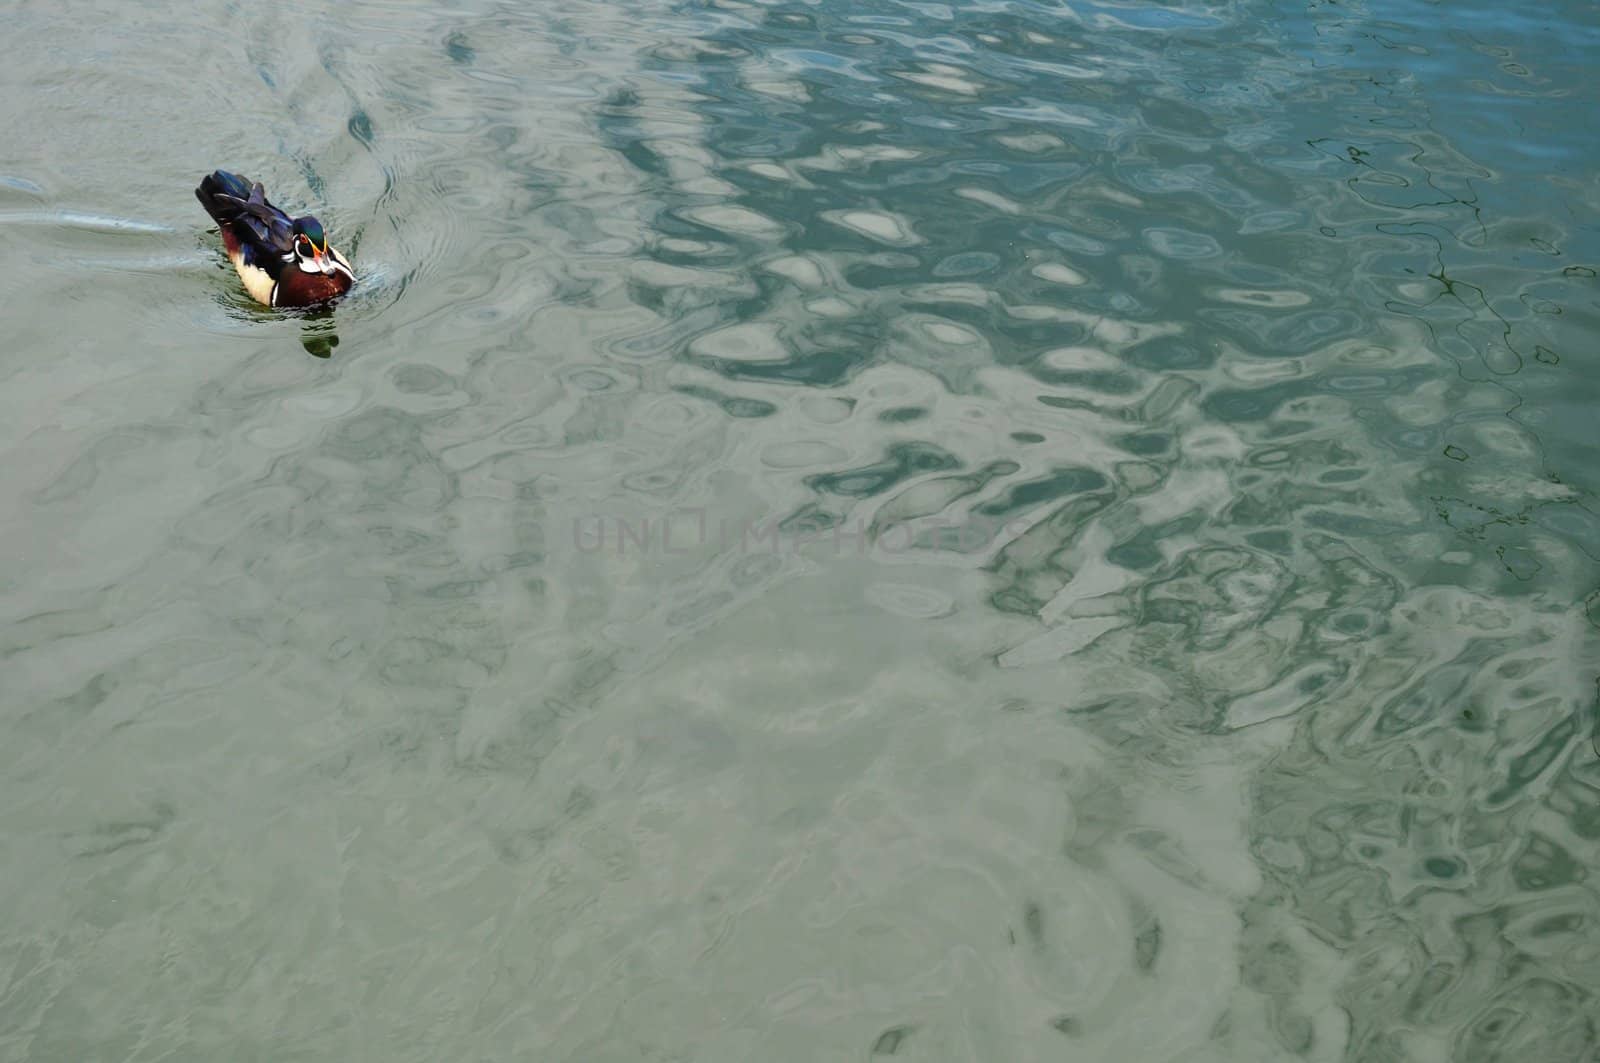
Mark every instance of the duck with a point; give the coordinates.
(283, 261)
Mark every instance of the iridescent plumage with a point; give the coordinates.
(282, 261)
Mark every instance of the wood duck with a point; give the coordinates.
(283, 261)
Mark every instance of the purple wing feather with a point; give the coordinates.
(264, 232)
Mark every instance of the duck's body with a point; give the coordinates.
(283, 261)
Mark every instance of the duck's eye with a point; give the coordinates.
(302, 244)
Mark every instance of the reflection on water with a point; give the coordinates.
(824, 531)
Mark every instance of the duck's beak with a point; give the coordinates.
(324, 260)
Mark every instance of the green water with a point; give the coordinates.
(825, 531)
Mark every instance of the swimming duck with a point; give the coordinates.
(283, 261)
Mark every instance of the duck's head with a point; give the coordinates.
(311, 252)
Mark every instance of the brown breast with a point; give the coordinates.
(296, 287)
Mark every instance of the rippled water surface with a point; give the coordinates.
(826, 531)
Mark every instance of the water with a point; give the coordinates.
(826, 531)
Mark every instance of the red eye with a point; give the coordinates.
(303, 244)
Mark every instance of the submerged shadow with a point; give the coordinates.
(319, 336)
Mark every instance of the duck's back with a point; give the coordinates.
(256, 234)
